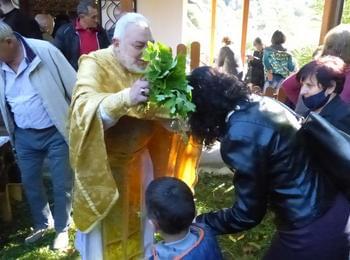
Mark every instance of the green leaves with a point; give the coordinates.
(167, 76)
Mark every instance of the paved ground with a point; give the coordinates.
(211, 161)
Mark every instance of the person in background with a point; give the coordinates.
(336, 43)
(278, 63)
(322, 81)
(293, 99)
(46, 23)
(258, 137)
(230, 61)
(257, 77)
(60, 20)
(82, 36)
(36, 83)
(171, 209)
(18, 21)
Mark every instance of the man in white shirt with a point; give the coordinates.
(36, 83)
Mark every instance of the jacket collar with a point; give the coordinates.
(30, 55)
(78, 27)
(331, 107)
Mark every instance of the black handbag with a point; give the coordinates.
(329, 147)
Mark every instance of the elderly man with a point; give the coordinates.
(36, 82)
(46, 23)
(83, 35)
(117, 146)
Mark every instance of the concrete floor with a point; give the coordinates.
(211, 161)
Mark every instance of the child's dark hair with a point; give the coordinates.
(278, 38)
(258, 41)
(169, 201)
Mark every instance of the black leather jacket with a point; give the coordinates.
(272, 170)
(337, 112)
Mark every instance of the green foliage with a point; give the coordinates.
(318, 6)
(13, 233)
(167, 76)
(303, 55)
(346, 12)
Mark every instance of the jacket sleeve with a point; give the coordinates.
(345, 94)
(221, 57)
(266, 61)
(59, 39)
(65, 71)
(291, 63)
(291, 87)
(248, 160)
(256, 62)
(34, 30)
(104, 39)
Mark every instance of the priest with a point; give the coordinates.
(117, 147)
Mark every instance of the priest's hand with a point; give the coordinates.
(139, 92)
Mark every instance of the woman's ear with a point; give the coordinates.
(331, 89)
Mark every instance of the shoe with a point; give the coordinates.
(36, 235)
(61, 241)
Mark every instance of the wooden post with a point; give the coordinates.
(181, 49)
(5, 206)
(213, 31)
(244, 28)
(332, 13)
(195, 55)
(15, 191)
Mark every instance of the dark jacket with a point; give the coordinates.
(206, 246)
(67, 40)
(230, 61)
(272, 170)
(23, 24)
(337, 112)
(257, 69)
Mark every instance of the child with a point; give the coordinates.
(256, 65)
(278, 63)
(170, 207)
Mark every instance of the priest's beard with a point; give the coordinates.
(129, 63)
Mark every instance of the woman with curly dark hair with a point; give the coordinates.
(258, 141)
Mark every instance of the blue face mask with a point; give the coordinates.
(316, 101)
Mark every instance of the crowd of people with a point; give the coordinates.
(124, 172)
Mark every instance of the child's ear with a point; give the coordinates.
(155, 224)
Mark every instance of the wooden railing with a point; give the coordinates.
(194, 53)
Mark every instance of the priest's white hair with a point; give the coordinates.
(127, 19)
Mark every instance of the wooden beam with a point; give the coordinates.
(244, 28)
(332, 13)
(127, 5)
(213, 31)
